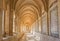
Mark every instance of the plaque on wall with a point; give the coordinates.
(54, 22)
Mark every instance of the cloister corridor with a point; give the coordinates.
(29, 20)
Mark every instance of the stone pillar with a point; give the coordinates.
(59, 16)
(44, 23)
(11, 22)
(7, 21)
(40, 24)
(36, 26)
(1, 12)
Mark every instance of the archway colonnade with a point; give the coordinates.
(17, 16)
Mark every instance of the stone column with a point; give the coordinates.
(11, 22)
(36, 27)
(44, 23)
(40, 24)
(1, 12)
(7, 21)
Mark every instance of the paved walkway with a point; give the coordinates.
(38, 37)
(33, 37)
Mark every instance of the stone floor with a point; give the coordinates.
(33, 37)
(38, 37)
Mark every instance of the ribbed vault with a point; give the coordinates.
(28, 11)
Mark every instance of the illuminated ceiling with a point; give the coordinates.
(27, 11)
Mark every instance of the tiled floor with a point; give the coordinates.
(39, 37)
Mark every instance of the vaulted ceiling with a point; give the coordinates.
(28, 11)
(45, 3)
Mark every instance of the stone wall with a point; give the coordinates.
(53, 18)
(1, 19)
(59, 16)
